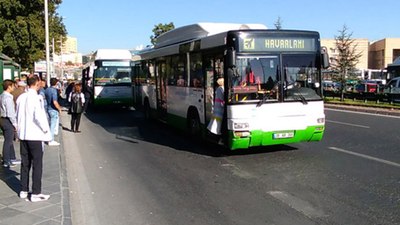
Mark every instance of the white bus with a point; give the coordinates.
(272, 88)
(107, 77)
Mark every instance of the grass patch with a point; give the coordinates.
(369, 103)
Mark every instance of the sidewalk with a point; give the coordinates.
(56, 210)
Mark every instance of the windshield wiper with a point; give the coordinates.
(262, 101)
(300, 97)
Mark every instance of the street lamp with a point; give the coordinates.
(46, 22)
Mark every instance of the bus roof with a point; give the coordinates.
(104, 54)
(200, 30)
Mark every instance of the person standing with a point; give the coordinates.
(77, 100)
(8, 122)
(88, 94)
(21, 86)
(33, 129)
(53, 109)
(218, 110)
(42, 93)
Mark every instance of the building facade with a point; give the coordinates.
(70, 45)
(383, 52)
(361, 46)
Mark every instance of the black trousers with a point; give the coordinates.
(31, 157)
(9, 134)
(75, 121)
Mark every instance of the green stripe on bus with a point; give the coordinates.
(261, 138)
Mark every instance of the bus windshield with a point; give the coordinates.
(266, 78)
(112, 75)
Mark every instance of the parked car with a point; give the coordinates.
(392, 90)
(368, 86)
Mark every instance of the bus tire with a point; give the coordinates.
(193, 124)
(146, 110)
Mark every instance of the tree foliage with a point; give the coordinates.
(278, 23)
(22, 29)
(344, 65)
(160, 29)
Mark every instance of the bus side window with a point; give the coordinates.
(196, 70)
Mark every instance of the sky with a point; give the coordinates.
(127, 24)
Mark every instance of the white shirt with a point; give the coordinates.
(31, 117)
(7, 107)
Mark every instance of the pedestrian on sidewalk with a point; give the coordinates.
(53, 109)
(42, 93)
(77, 102)
(33, 129)
(21, 87)
(8, 124)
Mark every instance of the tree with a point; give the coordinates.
(22, 33)
(345, 63)
(278, 23)
(160, 29)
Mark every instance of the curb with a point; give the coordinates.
(372, 110)
(66, 208)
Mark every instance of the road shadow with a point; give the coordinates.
(130, 125)
(9, 177)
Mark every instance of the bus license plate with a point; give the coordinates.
(284, 135)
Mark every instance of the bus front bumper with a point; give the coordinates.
(262, 138)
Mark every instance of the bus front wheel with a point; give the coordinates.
(146, 110)
(194, 125)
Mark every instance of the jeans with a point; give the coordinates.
(53, 114)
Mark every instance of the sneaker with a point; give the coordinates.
(16, 161)
(23, 194)
(53, 143)
(8, 165)
(39, 197)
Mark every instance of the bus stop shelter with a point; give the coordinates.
(8, 69)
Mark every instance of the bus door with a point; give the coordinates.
(214, 67)
(137, 76)
(161, 86)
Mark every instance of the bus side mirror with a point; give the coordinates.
(231, 58)
(325, 58)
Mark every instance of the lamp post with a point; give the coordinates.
(61, 58)
(46, 22)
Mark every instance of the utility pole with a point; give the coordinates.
(46, 22)
(61, 58)
(53, 53)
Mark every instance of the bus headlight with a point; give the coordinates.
(321, 120)
(242, 134)
(241, 126)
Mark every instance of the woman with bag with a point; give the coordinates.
(218, 109)
(77, 101)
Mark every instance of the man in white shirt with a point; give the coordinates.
(33, 129)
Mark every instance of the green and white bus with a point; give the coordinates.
(272, 89)
(108, 79)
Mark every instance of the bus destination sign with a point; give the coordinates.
(115, 63)
(277, 44)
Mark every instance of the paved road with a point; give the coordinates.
(122, 170)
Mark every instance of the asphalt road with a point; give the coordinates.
(123, 170)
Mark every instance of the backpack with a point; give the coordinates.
(76, 103)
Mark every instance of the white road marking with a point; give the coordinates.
(297, 204)
(366, 156)
(348, 124)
